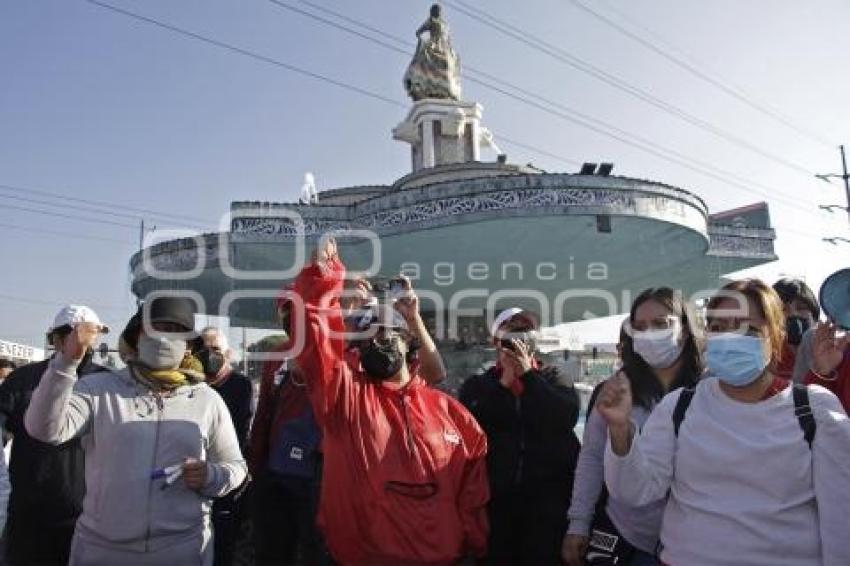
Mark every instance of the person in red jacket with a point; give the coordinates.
(404, 477)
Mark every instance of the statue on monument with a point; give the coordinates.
(435, 69)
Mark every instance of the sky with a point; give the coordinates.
(119, 116)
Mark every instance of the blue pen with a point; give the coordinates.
(165, 472)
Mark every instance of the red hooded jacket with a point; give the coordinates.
(838, 384)
(404, 477)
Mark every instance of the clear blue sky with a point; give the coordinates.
(97, 106)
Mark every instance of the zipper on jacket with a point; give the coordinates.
(159, 408)
(409, 432)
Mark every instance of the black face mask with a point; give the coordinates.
(795, 327)
(381, 361)
(211, 360)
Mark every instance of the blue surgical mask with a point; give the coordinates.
(736, 359)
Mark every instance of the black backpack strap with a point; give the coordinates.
(682, 405)
(803, 412)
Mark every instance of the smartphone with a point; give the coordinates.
(397, 289)
(527, 338)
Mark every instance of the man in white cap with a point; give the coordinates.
(528, 412)
(48, 481)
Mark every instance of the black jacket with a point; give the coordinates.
(532, 448)
(237, 392)
(48, 482)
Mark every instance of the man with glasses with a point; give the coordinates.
(213, 351)
(404, 477)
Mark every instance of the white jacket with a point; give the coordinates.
(744, 486)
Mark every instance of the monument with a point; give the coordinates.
(475, 235)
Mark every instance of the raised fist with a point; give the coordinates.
(83, 337)
(615, 401)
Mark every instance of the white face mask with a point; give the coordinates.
(161, 352)
(658, 348)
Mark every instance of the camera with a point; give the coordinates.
(528, 338)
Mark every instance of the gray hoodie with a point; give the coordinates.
(127, 432)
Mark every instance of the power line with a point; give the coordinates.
(71, 206)
(63, 234)
(397, 103)
(571, 115)
(102, 204)
(75, 207)
(729, 89)
(656, 150)
(317, 76)
(563, 56)
(246, 52)
(780, 229)
(537, 150)
(519, 89)
(29, 300)
(69, 216)
(350, 20)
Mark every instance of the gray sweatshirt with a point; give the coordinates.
(127, 432)
(639, 524)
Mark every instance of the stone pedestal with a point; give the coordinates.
(443, 132)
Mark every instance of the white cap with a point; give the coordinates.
(503, 317)
(71, 315)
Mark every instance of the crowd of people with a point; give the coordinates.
(720, 439)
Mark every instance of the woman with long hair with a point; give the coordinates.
(750, 469)
(660, 349)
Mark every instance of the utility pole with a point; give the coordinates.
(141, 247)
(846, 178)
(844, 175)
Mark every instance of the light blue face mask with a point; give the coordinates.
(736, 359)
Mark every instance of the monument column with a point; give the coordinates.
(428, 157)
(476, 136)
